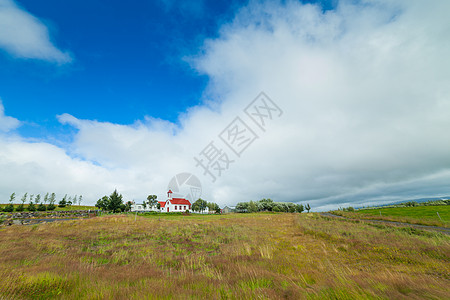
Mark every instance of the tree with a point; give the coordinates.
(52, 199)
(21, 206)
(299, 208)
(31, 206)
(23, 199)
(115, 201)
(102, 203)
(79, 200)
(252, 208)
(37, 200)
(10, 206)
(144, 204)
(199, 205)
(45, 198)
(291, 207)
(42, 207)
(242, 207)
(411, 203)
(213, 207)
(308, 208)
(128, 206)
(63, 201)
(152, 202)
(265, 204)
(13, 197)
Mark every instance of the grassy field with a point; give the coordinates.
(236, 256)
(424, 215)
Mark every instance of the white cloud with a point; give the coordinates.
(365, 91)
(7, 123)
(25, 36)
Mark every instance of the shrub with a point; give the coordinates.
(31, 207)
(63, 202)
(51, 206)
(8, 208)
(21, 207)
(42, 207)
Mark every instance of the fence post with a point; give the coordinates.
(439, 217)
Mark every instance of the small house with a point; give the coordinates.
(228, 209)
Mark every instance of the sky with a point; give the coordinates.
(331, 103)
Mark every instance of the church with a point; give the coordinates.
(174, 204)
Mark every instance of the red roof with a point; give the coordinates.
(180, 201)
(162, 204)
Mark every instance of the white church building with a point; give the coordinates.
(175, 204)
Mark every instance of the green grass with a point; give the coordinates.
(235, 256)
(424, 215)
(417, 212)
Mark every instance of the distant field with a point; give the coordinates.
(235, 256)
(425, 215)
(73, 207)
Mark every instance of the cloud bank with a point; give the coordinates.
(25, 36)
(365, 94)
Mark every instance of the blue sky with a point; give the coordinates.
(127, 61)
(100, 95)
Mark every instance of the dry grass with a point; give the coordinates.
(254, 256)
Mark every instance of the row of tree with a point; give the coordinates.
(270, 205)
(36, 203)
(200, 205)
(113, 202)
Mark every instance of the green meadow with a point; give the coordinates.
(423, 215)
(234, 256)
